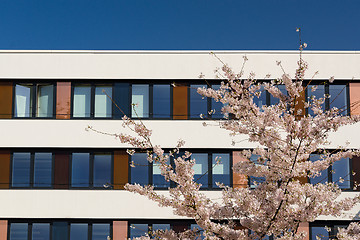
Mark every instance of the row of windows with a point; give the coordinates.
(154, 101)
(326, 230)
(59, 231)
(95, 170)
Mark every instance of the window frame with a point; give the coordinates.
(34, 104)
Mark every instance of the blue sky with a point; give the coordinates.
(179, 24)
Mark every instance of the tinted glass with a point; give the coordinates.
(201, 168)
(60, 231)
(40, 231)
(323, 178)
(100, 231)
(199, 230)
(261, 100)
(80, 169)
(158, 180)
(254, 158)
(81, 102)
(273, 100)
(23, 100)
(338, 98)
(341, 169)
(318, 93)
(45, 100)
(138, 230)
(18, 231)
(140, 100)
(103, 103)
(221, 169)
(198, 103)
(102, 170)
(216, 106)
(42, 169)
(161, 101)
(140, 173)
(319, 232)
(21, 170)
(79, 231)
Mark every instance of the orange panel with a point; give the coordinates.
(120, 229)
(3, 229)
(239, 180)
(180, 102)
(4, 169)
(121, 169)
(354, 98)
(6, 93)
(304, 227)
(63, 100)
(299, 106)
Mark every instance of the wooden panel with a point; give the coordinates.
(121, 169)
(180, 102)
(61, 173)
(4, 169)
(356, 169)
(239, 180)
(6, 96)
(3, 229)
(304, 227)
(354, 98)
(120, 229)
(299, 106)
(63, 100)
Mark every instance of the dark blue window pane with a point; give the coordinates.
(254, 158)
(341, 170)
(159, 180)
(198, 103)
(201, 168)
(216, 106)
(338, 98)
(18, 231)
(318, 93)
(323, 178)
(100, 231)
(42, 169)
(273, 100)
(102, 170)
(79, 231)
(80, 170)
(199, 230)
(161, 227)
(40, 231)
(122, 100)
(21, 170)
(261, 100)
(138, 230)
(320, 232)
(161, 101)
(221, 169)
(60, 231)
(140, 173)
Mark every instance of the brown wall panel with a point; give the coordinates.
(299, 106)
(61, 174)
(180, 102)
(6, 96)
(121, 169)
(239, 180)
(63, 100)
(3, 229)
(4, 169)
(354, 98)
(356, 169)
(304, 227)
(120, 229)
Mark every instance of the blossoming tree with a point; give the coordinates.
(286, 136)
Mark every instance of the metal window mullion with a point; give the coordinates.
(327, 100)
(151, 164)
(34, 104)
(92, 100)
(91, 169)
(32, 169)
(210, 165)
(151, 100)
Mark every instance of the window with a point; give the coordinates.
(161, 101)
(339, 173)
(254, 181)
(32, 170)
(319, 232)
(338, 96)
(91, 170)
(141, 229)
(210, 168)
(92, 101)
(60, 230)
(34, 100)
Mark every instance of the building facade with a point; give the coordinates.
(59, 181)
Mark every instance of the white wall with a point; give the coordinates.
(170, 64)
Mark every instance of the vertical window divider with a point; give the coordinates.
(151, 165)
(171, 102)
(52, 170)
(327, 100)
(351, 174)
(92, 100)
(91, 169)
(34, 90)
(151, 96)
(112, 100)
(267, 98)
(90, 226)
(32, 168)
(209, 107)
(72, 101)
(54, 83)
(210, 166)
(29, 231)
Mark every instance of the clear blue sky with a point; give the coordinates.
(179, 24)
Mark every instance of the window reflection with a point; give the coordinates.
(198, 103)
(80, 166)
(161, 101)
(140, 101)
(21, 170)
